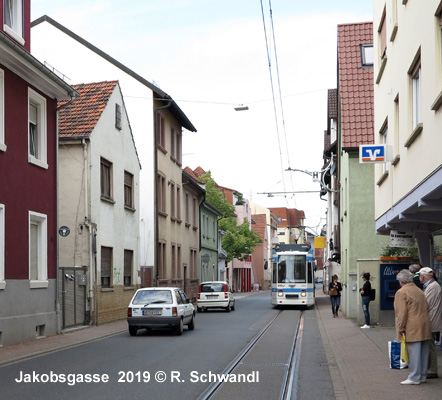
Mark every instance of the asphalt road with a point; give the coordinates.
(159, 365)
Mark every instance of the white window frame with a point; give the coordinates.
(2, 111)
(17, 23)
(2, 247)
(416, 84)
(42, 135)
(41, 220)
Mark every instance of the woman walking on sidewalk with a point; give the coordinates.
(365, 295)
(334, 290)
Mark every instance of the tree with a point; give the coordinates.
(239, 240)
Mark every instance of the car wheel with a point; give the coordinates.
(132, 330)
(191, 324)
(179, 328)
(199, 309)
(228, 308)
(233, 307)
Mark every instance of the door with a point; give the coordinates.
(72, 292)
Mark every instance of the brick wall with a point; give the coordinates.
(112, 304)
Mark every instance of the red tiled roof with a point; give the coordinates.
(78, 119)
(355, 85)
(290, 217)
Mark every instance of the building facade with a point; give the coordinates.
(28, 183)
(99, 203)
(408, 99)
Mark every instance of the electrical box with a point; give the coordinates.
(82, 280)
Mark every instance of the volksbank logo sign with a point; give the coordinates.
(373, 153)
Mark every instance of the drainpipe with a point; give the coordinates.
(57, 252)
(155, 147)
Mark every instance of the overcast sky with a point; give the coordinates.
(211, 55)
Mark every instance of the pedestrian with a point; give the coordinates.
(413, 321)
(414, 269)
(365, 296)
(433, 294)
(334, 290)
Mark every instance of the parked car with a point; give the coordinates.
(319, 279)
(159, 308)
(215, 294)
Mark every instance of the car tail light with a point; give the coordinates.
(224, 288)
(129, 312)
(226, 295)
(199, 296)
(199, 289)
(174, 312)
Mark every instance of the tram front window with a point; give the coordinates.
(291, 269)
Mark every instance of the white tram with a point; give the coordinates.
(293, 276)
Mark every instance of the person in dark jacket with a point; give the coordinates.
(365, 295)
(414, 269)
(335, 299)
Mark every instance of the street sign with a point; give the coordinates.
(374, 153)
(64, 231)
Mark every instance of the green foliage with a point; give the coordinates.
(239, 239)
(388, 251)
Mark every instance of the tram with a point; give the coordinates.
(293, 276)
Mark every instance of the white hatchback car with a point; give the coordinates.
(215, 294)
(160, 307)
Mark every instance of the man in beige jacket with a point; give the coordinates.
(433, 294)
(413, 320)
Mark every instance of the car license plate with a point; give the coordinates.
(211, 297)
(152, 312)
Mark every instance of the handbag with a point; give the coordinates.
(333, 292)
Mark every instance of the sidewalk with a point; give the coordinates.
(359, 364)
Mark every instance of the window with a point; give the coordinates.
(13, 19)
(106, 179)
(178, 261)
(178, 203)
(38, 250)
(416, 95)
(37, 134)
(161, 131)
(161, 259)
(2, 246)
(384, 140)
(128, 264)
(172, 200)
(2, 111)
(383, 37)
(128, 190)
(173, 255)
(195, 213)
(175, 145)
(161, 195)
(106, 267)
(117, 116)
(367, 55)
(187, 205)
(193, 263)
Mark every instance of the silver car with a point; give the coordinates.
(160, 307)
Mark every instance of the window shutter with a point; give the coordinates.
(33, 248)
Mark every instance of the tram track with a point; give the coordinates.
(288, 387)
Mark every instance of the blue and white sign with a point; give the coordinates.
(373, 153)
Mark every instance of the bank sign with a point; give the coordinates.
(373, 153)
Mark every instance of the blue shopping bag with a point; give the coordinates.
(394, 352)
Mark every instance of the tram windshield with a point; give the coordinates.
(292, 269)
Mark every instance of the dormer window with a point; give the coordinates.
(367, 55)
(13, 19)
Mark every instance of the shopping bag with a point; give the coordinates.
(394, 353)
(404, 352)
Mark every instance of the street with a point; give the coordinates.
(161, 365)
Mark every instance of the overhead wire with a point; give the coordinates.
(273, 94)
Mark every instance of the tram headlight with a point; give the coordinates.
(303, 294)
(280, 294)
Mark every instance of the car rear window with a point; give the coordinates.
(147, 297)
(212, 287)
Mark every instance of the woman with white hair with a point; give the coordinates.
(413, 320)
